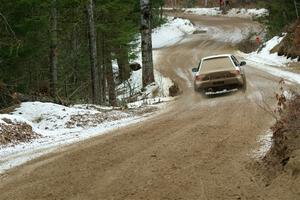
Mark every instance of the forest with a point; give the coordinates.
(48, 49)
(58, 48)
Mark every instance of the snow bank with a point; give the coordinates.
(265, 57)
(171, 32)
(247, 13)
(204, 11)
(234, 12)
(59, 125)
(271, 62)
(48, 116)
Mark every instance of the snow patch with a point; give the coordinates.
(247, 13)
(204, 11)
(265, 57)
(234, 12)
(265, 141)
(171, 32)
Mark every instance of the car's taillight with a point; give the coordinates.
(199, 77)
(236, 72)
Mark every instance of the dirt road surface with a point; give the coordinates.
(199, 148)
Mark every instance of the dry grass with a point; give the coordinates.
(13, 133)
(286, 138)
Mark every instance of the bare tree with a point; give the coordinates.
(93, 53)
(147, 57)
(53, 49)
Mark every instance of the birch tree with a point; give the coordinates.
(147, 57)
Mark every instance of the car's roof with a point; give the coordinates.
(217, 63)
(217, 56)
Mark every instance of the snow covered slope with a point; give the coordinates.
(58, 125)
(270, 62)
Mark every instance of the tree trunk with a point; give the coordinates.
(110, 80)
(147, 58)
(53, 49)
(161, 12)
(93, 53)
(75, 55)
(102, 80)
(123, 63)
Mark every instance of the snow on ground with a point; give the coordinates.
(265, 141)
(234, 12)
(204, 11)
(171, 32)
(235, 35)
(60, 125)
(265, 57)
(168, 34)
(271, 62)
(275, 71)
(247, 13)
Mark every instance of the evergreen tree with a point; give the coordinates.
(28, 28)
(282, 13)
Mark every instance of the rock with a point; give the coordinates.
(174, 90)
(135, 66)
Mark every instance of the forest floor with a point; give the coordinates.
(198, 148)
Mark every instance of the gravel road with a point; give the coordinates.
(198, 148)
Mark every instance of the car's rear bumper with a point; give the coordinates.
(219, 83)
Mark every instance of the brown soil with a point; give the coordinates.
(198, 148)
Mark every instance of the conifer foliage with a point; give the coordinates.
(65, 48)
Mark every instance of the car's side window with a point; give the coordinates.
(236, 62)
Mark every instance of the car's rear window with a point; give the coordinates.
(216, 64)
